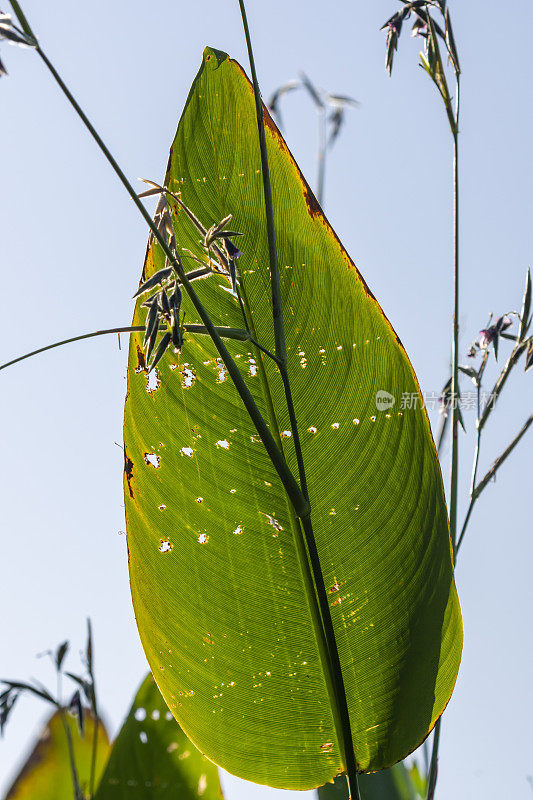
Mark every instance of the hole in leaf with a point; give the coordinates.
(222, 371)
(153, 381)
(272, 521)
(188, 376)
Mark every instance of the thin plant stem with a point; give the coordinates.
(94, 133)
(68, 341)
(325, 613)
(425, 750)
(277, 309)
(294, 428)
(454, 460)
(22, 19)
(243, 311)
(94, 752)
(500, 383)
(72, 760)
(434, 763)
(226, 333)
(465, 523)
(298, 500)
(264, 350)
(503, 457)
(476, 491)
(275, 454)
(281, 354)
(322, 150)
(300, 504)
(335, 664)
(478, 441)
(442, 431)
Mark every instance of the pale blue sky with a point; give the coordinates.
(71, 250)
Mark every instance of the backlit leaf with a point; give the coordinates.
(222, 591)
(152, 759)
(46, 774)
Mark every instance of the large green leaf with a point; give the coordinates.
(152, 759)
(46, 775)
(220, 582)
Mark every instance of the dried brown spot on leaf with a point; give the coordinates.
(141, 363)
(128, 471)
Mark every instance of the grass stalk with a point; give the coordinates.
(281, 354)
(72, 761)
(478, 442)
(476, 490)
(226, 333)
(322, 151)
(335, 664)
(94, 750)
(434, 762)
(94, 706)
(516, 352)
(300, 504)
(454, 458)
(277, 310)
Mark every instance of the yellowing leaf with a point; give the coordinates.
(46, 775)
